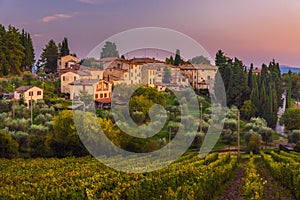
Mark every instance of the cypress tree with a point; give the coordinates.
(289, 91)
(250, 77)
(15, 52)
(64, 47)
(177, 60)
(28, 59)
(255, 93)
(4, 66)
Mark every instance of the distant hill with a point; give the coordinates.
(285, 69)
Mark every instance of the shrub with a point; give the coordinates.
(8, 146)
(254, 143)
(294, 137)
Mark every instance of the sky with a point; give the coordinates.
(255, 31)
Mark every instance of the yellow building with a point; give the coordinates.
(83, 73)
(200, 76)
(99, 89)
(28, 93)
(67, 62)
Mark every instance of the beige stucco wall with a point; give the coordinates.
(98, 88)
(61, 63)
(135, 74)
(75, 90)
(97, 74)
(66, 79)
(27, 97)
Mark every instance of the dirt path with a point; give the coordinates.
(273, 189)
(232, 190)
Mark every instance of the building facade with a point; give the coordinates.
(29, 93)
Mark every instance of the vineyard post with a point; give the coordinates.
(13, 105)
(238, 142)
(169, 141)
(31, 116)
(201, 117)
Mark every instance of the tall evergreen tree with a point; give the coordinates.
(250, 76)
(15, 52)
(177, 60)
(254, 97)
(220, 59)
(64, 47)
(109, 50)
(238, 90)
(4, 65)
(289, 91)
(28, 59)
(49, 57)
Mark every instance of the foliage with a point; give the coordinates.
(86, 178)
(109, 50)
(291, 118)
(285, 170)
(49, 57)
(266, 134)
(292, 81)
(248, 110)
(65, 140)
(257, 95)
(91, 62)
(254, 143)
(253, 187)
(28, 59)
(294, 137)
(199, 60)
(64, 48)
(8, 146)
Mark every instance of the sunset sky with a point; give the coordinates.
(254, 31)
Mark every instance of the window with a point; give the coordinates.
(101, 96)
(96, 96)
(30, 94)
(74, 78)
(105, 95)
(64, 78)
(39, 93)
(208, 77)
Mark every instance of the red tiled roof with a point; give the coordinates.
(24, 88)
(103, 100)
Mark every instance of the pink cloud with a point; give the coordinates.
(38, 35)
(92, 1)
(55, 17)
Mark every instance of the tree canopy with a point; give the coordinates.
(64, 47)
(16, 51)
(109, 50)
(49, 57)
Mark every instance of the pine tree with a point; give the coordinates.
(109, 50)
(49, 57)
(220, 59)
